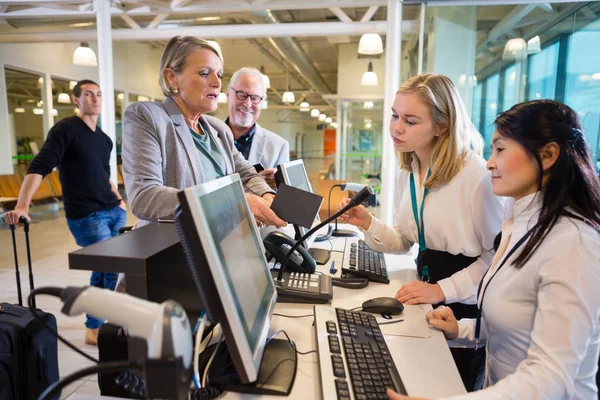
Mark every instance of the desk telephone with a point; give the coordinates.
(278, 245)
(300, 283)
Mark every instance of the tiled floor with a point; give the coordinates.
(51, 243)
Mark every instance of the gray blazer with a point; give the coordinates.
(160, 158)
(268, 148)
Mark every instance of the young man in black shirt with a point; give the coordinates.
(93, 206)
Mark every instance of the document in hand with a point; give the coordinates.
(296, 206)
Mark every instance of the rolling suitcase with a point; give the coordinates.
(28, 351)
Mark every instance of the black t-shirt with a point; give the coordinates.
(82, 157)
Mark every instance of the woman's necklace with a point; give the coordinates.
(192, 122)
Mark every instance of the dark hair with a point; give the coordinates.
(572, 188)
(77, 88)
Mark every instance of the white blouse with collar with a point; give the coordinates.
(463, 216)
(542, 321)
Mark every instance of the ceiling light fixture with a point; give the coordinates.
(222, 98)
(55, 112)
(265, 78)
(369, 78)
(534, 45)
(322, 117)
(314, 113)
(368, 105)
(72, 84)
(304, 104)
(288, 97)
(328, 120)
(85, 56)
(515, 49)
(370, 44)
(334, 124)
(19, 110)
(38, 111)
(63, 98)
(206, 19)
(304, 109)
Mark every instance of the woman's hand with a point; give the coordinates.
(357, 216)
(443, 319)
(12, 217)
(263, 214)
(395, 396)
(418, 292)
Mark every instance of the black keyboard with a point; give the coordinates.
(367, 263)
(355, 361)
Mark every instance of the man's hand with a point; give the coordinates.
(263, 214)
(357, 216)
(443, 319)
(12, 217)
(269, 176)
(123, 205)
(418, 292)
(395, 396)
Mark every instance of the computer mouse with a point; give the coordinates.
(383, 305)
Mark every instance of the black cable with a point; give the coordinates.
(53, 291)
(110, 366)
(391, 322)
(294, 344)
(294, 316)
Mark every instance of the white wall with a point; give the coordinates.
(135, 70)
(351, 69)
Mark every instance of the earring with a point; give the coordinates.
(175, 91)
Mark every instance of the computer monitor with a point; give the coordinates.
(294, 174)
(228, 265)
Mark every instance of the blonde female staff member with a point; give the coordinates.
(443, 201)
(540, 302)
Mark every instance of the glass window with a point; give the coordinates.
(510, 87)
(490, 111)
(476, 111)
(542, 73)
(582, 86)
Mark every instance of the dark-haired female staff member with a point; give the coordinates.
(443, 201)
(172, 145)
(540, 299)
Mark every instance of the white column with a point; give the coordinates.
(105, 73)
(47, 117)
(338, 139)
(421, 38)
(392, 82)
(6, 166)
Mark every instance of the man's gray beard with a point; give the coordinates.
(245, 121)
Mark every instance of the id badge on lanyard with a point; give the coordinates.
(419, 222)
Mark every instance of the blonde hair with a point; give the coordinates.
(175, 54)
(460, 139)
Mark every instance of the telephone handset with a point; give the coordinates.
(278, 245)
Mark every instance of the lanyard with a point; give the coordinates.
(419, 221)
(478, 315)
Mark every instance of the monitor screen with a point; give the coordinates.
(294, 174)
(237, 287)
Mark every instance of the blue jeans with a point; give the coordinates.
(94, 228)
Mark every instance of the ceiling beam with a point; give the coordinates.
(129, 21)
(42, 8)
(506, 24)
(369, 14)
(157, 21)
(299, 29)
(340, 14)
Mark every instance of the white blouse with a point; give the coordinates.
(542, 321)
(463, 216)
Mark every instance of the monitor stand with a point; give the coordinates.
(275, 377)
(321, 256)
(342, 232)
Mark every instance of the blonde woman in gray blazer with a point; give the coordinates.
(171, 145)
